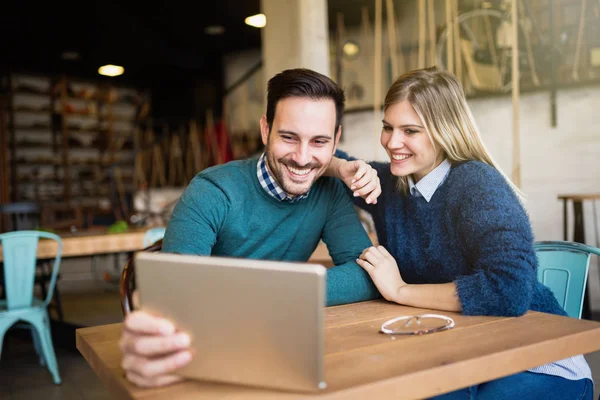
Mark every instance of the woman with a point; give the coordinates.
(454, 235)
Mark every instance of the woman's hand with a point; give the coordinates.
(361, 178)
(383, 270)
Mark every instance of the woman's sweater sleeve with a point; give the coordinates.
(495, 234)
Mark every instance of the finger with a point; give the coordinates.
(367, 266)
(373, 256)
(135, 297)
(152, 382)
(361, 170)
(155, 367)
(363, 182)
(372, 199)
(384, 251)
(145, 323)
(154, 345)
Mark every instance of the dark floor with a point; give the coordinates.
(21, 376)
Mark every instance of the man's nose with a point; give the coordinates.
(302, 155)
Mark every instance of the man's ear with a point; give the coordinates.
(337, 138)
(264, 130)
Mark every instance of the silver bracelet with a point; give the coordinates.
(416, 320)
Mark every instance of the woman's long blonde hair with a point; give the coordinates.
(438, 99)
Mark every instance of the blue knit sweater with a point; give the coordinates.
(474, 232)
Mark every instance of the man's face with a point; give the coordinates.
(300, 143)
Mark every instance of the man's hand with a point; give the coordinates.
(152, 350)
(361, 178)
(383, 270)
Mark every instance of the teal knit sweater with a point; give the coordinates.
(225, 212)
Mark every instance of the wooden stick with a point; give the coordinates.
(212, 138)
(377, 71)
(365, 23)
(579, 41)
(530, 59)
(391, 23)
(339, 54)
(456, 32)
(431, 25)
(516, 156)
(422, 33)
(121, 189)
(492, 46)
(449, 38)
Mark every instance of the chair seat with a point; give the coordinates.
(36, 306)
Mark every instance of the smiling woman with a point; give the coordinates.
(454, 234)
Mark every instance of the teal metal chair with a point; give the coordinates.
(563, 267)
(153, 235)
(19, 249)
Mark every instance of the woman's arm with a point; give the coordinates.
(384, 271)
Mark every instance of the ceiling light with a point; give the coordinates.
(351, 49)
(214, 30)
(257, 21)
(111, 70)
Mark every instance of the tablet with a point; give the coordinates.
(252, 322)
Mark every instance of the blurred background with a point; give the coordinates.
(109, 108)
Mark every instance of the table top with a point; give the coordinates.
(92, 242)
(362, 363)
(580, 197)
(88, 243)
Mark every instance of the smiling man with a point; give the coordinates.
(275, 207)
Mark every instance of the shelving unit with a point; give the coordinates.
(71, 143)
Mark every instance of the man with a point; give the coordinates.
(272, 207)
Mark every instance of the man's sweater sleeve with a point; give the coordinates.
(196, 219)
(496, 236)
(345, 237)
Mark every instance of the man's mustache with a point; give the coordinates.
(294, 164)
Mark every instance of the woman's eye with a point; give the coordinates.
(387, 128)
(411, 131)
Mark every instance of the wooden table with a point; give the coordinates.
(100, 242)
(361, 363)
(91, 243)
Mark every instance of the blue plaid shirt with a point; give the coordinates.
(270, 185)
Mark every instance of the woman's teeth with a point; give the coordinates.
(400, 157)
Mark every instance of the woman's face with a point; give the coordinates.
(406, 141)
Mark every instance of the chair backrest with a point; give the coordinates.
(127, 286)
(19, 251)
(563, 267)
(21, 216)
(153, 235)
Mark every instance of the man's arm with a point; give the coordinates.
(152, 347)
(196, 219)
(346, 239)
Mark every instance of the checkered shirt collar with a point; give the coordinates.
(270, 185)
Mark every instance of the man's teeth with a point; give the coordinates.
(400, 157)
(299, 171)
